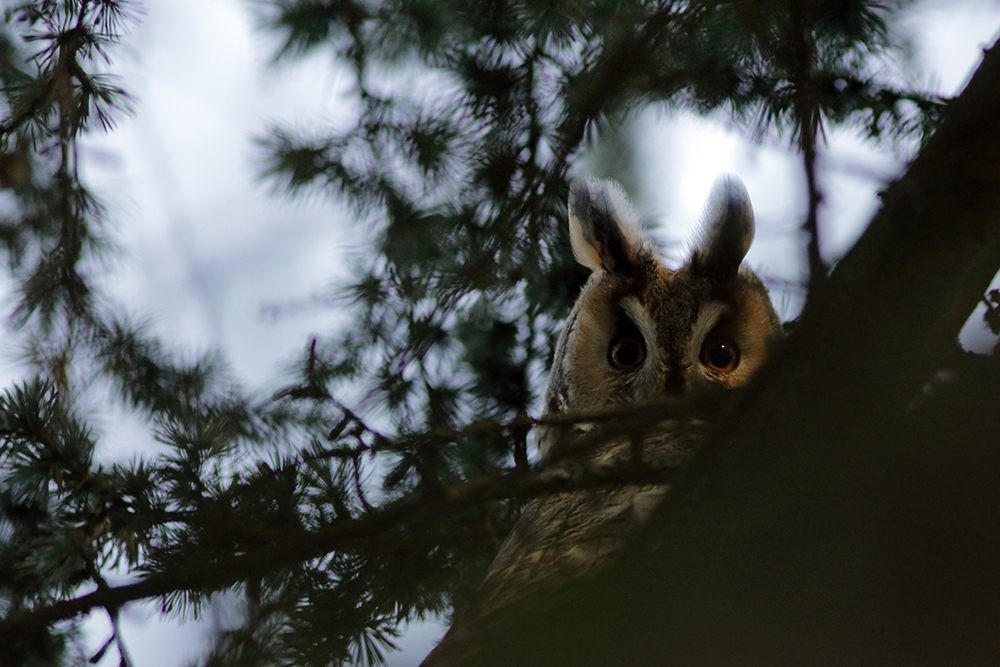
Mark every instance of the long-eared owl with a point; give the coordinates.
(639, 333)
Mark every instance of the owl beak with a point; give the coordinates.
(674, 384)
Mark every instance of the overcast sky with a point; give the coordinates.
(207, 248)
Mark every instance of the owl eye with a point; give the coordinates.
(721, 355)
(626, 353)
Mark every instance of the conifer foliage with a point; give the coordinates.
(376, 488)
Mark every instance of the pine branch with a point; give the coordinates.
(294, 548)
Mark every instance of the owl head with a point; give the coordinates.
(641, 331)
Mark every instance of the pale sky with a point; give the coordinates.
(207, 248)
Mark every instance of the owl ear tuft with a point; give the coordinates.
(728, 231)
(603, 228)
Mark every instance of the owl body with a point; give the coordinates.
(640, 332)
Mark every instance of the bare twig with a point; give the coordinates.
(808, 120)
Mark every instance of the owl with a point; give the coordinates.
(639, 333)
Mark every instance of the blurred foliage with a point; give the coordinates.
(328, 529)
(470, 118)
(992, 314)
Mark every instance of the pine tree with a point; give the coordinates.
(377, 487)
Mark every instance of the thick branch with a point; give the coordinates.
(825, 523)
